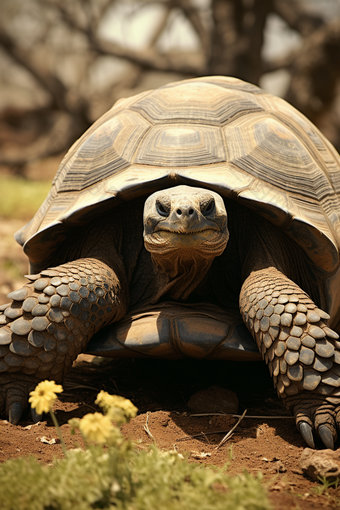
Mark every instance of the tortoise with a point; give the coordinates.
(198, 220)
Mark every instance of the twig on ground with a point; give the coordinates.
(248, 416)
(212, 432)
(71, 386)
(230, 433)
(205, 436)
(87, 405)
(146, 428)
(201, 434)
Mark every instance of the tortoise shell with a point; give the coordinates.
(216, 132)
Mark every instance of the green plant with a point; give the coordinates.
(325, 485)
(127, 479)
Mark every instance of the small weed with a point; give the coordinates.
(325, 485)
(226, 465)
(323, 490)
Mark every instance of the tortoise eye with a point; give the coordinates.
(208, 208)
(161, 209)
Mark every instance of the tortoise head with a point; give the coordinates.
(185, 228)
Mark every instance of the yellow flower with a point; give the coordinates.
(105, 400)
(96, 427)
(44, 396)
(118, 408)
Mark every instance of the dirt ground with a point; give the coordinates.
(161, 389)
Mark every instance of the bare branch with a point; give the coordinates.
(47, 81)
(237, 38)
(285, 62)
(51, 132)
(162, 25)
(148, 58)
(296, 17)
(316, 71)
(94, 18)
(193, 16)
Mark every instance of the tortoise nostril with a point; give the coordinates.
(185, 211)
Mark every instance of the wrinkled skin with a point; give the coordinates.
(197, 248)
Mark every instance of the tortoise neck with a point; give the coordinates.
(178, 274)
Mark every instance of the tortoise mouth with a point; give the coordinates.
(180, 239)
(167, 232)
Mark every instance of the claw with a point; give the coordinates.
(326, 436)
(15, 411)
(35, 416)
(307, 434)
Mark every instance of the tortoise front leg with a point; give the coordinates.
(302, 353)
(49, 322)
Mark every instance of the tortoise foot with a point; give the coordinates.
(302, 352)
(47, 324)
(14, 393)
(316, 417)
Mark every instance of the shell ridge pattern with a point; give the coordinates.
(60, 204)
(271, 152)
(312, 148)
(182, 145)
(188, 102)
(141, 141)
(224, 82)
(116, 109)
(125, 102)
(230, 184)
(59, 176)
(313, 139)
(329, 200)
(106, 150)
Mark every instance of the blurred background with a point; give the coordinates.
(64, 63)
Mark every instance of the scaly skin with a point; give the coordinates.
(302, 352)
(49, 322)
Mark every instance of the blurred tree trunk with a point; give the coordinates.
(315, 77)
(237, 38)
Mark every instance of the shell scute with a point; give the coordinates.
(189, 102)
(266, 149)
(107, 150)
(181, 145)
